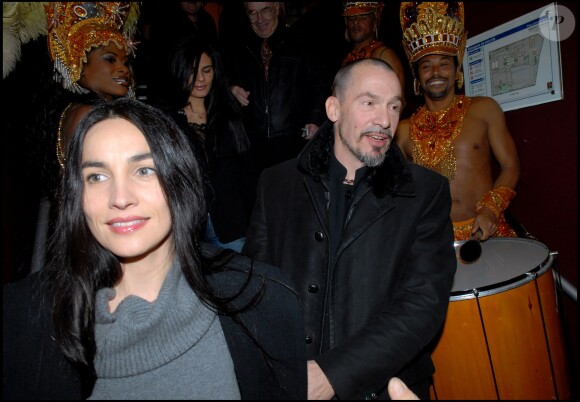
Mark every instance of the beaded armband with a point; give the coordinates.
(497, 200)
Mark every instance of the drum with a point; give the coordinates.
(502, 337)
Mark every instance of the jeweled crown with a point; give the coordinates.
(433, 28)
(75, 28)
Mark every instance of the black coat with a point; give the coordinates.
(388, 291)
(35, 368)
(295, 92)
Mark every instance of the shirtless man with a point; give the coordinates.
(362, 20)
(459, 136)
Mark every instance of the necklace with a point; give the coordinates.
(433, 133)
(348, 181)
(60, 147)
(195, 115)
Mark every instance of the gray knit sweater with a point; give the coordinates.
(172, 348)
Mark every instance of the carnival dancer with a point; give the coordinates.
(456, 135)
(362, 19)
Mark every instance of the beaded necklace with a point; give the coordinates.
(433, 133)
(60, 152)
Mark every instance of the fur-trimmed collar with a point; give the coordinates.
(391, 177)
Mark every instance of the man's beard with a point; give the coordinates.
(370, 160)
(436, 95)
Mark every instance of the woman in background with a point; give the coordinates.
(199, 100)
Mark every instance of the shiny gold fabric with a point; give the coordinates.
(432, 134)
(462, 230)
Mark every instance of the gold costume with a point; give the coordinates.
(437, 28)
(364, 53)
(433, 133)
(462, 230)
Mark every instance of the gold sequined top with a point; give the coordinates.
(363, 53)
(432, 134)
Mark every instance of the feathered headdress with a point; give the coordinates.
(73, 29)
(21, 22)
(76, 28)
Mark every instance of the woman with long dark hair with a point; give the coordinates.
(199, 100)
(91, 48)
(131, 304)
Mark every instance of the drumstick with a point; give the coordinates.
(470, 251)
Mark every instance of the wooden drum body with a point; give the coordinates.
(502, 338)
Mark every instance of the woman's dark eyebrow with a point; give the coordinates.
(133, 159)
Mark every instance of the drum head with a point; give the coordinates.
(502, 260)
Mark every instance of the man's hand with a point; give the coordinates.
(240, 94)
(398, 391)
(319, 387)
(309, 131)
(487, 222)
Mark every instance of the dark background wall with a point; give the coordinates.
(546, 139)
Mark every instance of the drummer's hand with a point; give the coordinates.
(486, 222)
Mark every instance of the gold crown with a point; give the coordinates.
(433, 28)
(352, 8)
(75, 28)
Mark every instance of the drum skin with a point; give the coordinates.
(503, 340)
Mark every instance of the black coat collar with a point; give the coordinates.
(393, 176)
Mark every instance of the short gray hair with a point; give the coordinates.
(344, 75)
